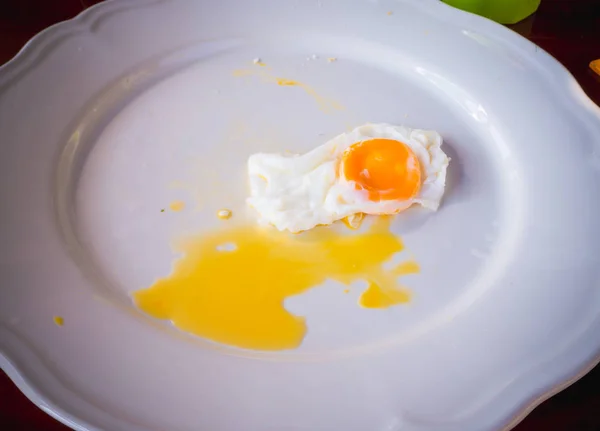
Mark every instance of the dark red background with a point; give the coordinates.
(567, 29)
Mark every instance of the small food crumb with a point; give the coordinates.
(331, 59)
(390, 13)
(177, 205)
(353, 221)
(258, 61)
(224, 214)
(59, 321)
(162, 210)
(595, 66)
(346, 290)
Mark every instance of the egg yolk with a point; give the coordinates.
(386, 168)
(230, 286)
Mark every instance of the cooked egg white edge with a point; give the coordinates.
(299, 192)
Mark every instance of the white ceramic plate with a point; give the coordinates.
(110, 116)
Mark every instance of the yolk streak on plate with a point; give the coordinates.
(235, 295)
(326, 105)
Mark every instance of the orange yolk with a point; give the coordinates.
(386, 168)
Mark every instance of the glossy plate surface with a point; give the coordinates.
(108, 118)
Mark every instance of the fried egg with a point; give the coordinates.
(374, 169)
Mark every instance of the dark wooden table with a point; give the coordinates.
(567, 29)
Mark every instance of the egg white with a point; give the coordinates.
(299, 192)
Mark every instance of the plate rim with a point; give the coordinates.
(41, 45)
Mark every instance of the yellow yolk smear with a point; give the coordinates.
(386, 168)
(326, 105)
(177, 206)
(230, 286)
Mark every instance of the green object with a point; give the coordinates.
(502, 11)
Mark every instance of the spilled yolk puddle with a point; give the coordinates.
(380, 296)
(230, 286)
